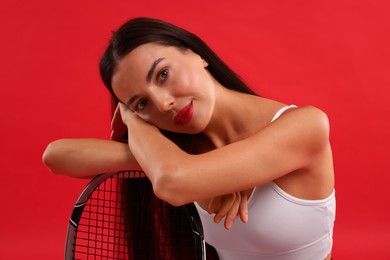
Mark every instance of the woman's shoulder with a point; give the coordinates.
(270, 110)
(311, 115)
(308, 121)
(276, 109)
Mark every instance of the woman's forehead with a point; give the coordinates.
(151, 50)
(142, 58)
(154, 51)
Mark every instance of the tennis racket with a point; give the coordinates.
(117, 216)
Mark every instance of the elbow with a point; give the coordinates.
(48, 157)
(168, 185)
(51, 157)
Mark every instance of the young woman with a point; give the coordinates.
(248, 155)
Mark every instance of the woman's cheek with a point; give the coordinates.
(184, 82)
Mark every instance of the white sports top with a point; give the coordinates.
(279, 227)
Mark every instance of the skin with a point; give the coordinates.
(294, 150)
(240, 150)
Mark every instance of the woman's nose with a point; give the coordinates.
(163, 100)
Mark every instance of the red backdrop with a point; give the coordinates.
(331, 54)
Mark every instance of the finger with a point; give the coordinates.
(227, 203)
(112, 135)
(244, 207)
(123, 109)
(214, 204)
(116, 117)
(233, 212)
(119, 129)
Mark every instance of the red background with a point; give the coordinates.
(331, 54)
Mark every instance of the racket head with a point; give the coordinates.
(117, 216)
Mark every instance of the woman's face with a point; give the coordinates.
(167, 87)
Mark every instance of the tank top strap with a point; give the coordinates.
(281, 111)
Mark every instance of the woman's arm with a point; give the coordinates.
(87, 157)
(290, 143)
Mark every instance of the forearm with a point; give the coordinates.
(87, 157)
(153, 151)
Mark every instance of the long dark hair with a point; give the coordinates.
(138, 31)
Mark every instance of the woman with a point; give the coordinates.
(244, 150)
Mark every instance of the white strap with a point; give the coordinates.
(281, 111)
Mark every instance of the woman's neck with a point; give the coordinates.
(233, 116)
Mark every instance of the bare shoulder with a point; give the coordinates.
(306, 126)
(311, 122)
(313, 117)
(314, 113)
(308, 113)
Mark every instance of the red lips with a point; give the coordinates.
(184, 115)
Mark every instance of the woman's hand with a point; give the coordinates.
(132, 122)
(119, 129)
(229, 206)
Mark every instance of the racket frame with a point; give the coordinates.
(83, 198)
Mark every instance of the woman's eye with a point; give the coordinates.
(141, 105)
(162, 75)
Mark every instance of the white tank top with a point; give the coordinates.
(280, 226)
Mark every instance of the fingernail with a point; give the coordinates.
(229, 225)
(244, 218)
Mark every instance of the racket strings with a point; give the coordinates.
(124, 220)
(101, 230)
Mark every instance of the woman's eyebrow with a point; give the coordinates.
(152, 68)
